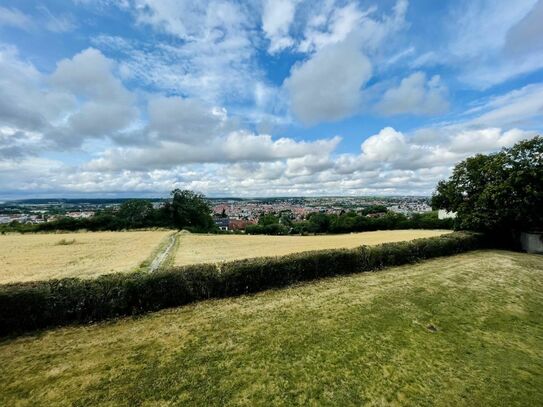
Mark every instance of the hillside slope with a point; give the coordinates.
(462, 330)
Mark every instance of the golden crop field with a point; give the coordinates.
(198, 248)
(85, 254)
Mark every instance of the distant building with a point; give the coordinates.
(222, 223)
(80, 215)
(443, 214)
(220, 209)
(239, 224)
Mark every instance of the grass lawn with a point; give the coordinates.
(456, 331)
(43, 256)
(200, 248)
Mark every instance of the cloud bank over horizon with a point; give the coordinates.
(260, 98)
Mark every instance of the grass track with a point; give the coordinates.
(463, 330)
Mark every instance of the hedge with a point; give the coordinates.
(41, 304)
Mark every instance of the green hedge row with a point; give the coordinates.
(35, 305)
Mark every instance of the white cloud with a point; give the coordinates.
(387, 145)
(233, 147)
(390, 162)
(215, 61)
(106, 106)
(520, 107)
(209, 52)
(415, 95)
(89, 73)
(327, 86)
(480, 27)
(525, 36)
(27, 102)
(277, 17)
(485, 38)
(339, 38)
(14, 18)
(81, 99)
(486, 140)
(331, 23)
(185, 120)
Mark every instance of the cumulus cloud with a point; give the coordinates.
(327, 86)
(235, 146)
(81, 99)
(415, 95)
(441, 147)
(184, 120)
(106, 106)
(89, 73)
(27, 102)
(389, 162)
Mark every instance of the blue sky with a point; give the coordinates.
(260, 98)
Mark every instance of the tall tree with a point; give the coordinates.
(136, 213)
(189, 209)
(501, 192)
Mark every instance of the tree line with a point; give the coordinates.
(184, 210)
(347, 222)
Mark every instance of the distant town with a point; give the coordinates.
(229, 213)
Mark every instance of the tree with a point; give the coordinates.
(188, 209)
(374, 209)
(136, 213)
(501, 192)
(319, 222)
(268, 219)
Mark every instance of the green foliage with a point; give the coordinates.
(188, 209)
(348, 222)
(35, 305)
(136, 213)
(268, 219)
(374, 209)
(500, 192)
(269, 229)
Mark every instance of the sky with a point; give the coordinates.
(104, 98)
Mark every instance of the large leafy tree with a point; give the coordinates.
(136, 213)
(189, 209)
(501, 192)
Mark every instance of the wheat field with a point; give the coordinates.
(198, 248)
(85, 254)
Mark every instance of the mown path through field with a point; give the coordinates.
(163, 255)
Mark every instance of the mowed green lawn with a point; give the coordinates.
(463, 330)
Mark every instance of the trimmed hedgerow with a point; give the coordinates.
(36, 305)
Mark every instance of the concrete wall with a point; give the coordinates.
(532, 242)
